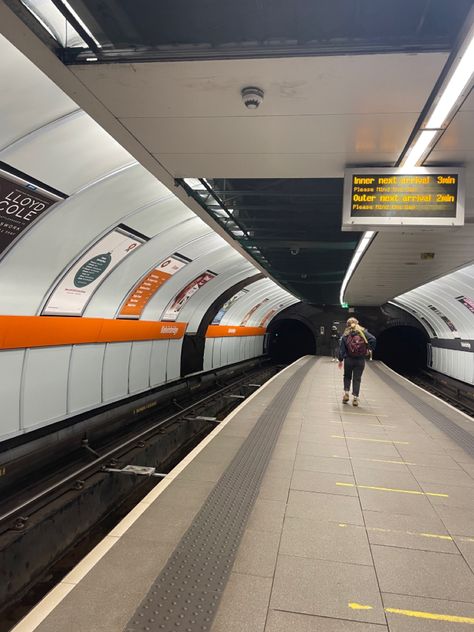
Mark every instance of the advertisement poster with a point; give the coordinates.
(444, 318)
(467, 302)
(21, 203)
(269, 314)
(180, 300)
(227, 305)
(249, 314)
(141, 294)
(76, 288)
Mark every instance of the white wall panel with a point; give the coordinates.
(208, 350)
(115, 375)
(85, 377)
(216, 353)
(45, 378)
(29, 99)
(159, 352)
(139, 377)
(76, 141)
(173, 360)
(11, 365)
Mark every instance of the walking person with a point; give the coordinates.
(334, 343)
(354, 347)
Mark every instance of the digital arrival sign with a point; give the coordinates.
(382, 198)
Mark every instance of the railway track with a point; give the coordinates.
(454, 392)
(42, 524)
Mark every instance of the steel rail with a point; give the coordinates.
(91, 468)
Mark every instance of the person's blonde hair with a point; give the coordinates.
(352, 324)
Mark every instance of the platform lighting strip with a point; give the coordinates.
(361, 248)
(455, 89)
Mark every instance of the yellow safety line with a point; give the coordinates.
(359, 458)
(424, 535)
(389, 489)
(431, 615)
(417, 614)
(374, 440)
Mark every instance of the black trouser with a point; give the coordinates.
(353, 369)
(334, 347)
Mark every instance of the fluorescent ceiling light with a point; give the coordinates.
(424, 140)
(454, 88)
(82, 23)
(361, 248)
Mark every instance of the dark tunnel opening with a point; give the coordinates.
(403, 348)
(290, 339)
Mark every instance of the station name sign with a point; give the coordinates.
(380, 198)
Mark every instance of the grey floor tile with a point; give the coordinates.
(442, 476)
(423, 573)
(324, 507)
(380, 463)
(279, 467)
(185, 493)
(320, 448)
(398, 607)
(382, 478)
(458, 520)
(466, 545)
(326, 589)
(450, 495)
(372, 449)
(323, 482)
(285, 621)
(257, 553)
(244, 605)
(431, 460)
(386, 501)
(325, 540)
(410, 532)
(196, 471)
(275, 487)
(267, 515)
(109, 595)
(323, 464)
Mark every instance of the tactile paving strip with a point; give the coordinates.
(462, 437)
(186, 594)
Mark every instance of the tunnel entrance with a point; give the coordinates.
(290, 339)
(402, 348)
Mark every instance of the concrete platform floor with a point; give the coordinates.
(364, 522)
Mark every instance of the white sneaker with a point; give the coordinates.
(355, 401)
(345, 398)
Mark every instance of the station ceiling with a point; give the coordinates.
(344, 84)
(225, 28)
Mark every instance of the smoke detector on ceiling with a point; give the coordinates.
(252, 97)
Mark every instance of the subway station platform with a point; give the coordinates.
(296, 513)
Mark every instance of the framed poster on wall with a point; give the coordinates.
(22, 204)
(176, 305)
(73, 292)
(142, 293)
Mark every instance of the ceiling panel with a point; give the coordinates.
(364, 84)
(392, 265)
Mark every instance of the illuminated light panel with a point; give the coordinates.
(361, 248)
(425, 139)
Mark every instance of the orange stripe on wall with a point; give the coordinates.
(18, 332)
(222, 331)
